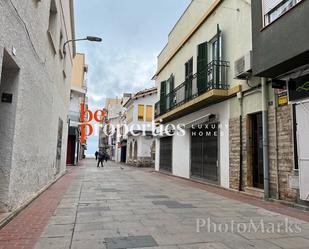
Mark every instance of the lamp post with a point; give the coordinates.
(88, 38)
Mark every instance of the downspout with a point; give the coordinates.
(276, 147)
(265, 138)
(241, 145)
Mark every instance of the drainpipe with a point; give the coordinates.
(240, 138)
(277, 149)
(265, 138)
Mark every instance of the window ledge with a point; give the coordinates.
(52, 41)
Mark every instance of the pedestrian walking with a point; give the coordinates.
(106, 156)
(96, 155)
(100, 158)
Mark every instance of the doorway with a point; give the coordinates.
(9, 84)
(166, 153)
(123, 154)
(257, 150)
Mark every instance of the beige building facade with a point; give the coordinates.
(76, 147)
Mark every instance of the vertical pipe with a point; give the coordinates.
(265, 138)
(241, 145)
(276, 146)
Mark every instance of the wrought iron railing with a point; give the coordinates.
(214, 77)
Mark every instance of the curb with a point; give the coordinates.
(15, 212)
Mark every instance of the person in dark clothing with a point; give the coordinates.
(101, 158)
(106, 157)
(96, 155)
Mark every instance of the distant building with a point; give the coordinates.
(35, 76)
(107, 139)
(139, 120)
(75, 149)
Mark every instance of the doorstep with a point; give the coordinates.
(256, 192)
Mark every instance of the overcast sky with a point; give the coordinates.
(133, 32)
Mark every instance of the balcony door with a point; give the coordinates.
(215, 54)
(189, 77)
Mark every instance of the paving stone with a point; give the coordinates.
(172, 204)
(53, 231)
(126, 207)
(291, 243)
(130, 242)
(53, 243)
(156, 197)
(88, 244)
(92, 209)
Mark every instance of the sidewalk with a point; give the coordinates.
(118, 207)
(25, 229)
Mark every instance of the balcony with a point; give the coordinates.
(197, 91)
(74, 116)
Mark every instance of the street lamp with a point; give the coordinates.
(88, 38)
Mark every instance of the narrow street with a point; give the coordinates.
(121, 207)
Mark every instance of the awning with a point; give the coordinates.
(202, 120)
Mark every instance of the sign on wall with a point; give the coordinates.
(298, 88)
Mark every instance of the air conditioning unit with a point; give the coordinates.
(243, 66)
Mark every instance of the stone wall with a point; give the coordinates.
(141, 162)
(284, 159)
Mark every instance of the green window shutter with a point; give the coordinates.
(202, 61)
(217, 68)
(163, 97)
(188, 74)
(171, 86)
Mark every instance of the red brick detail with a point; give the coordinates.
(25, 229)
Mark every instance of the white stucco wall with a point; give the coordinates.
(182, 145)
(42, 97)
(236, 38)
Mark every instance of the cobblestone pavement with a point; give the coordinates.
(119, 207)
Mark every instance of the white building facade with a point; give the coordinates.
(197, 89)
(140, 143)
(35, 94)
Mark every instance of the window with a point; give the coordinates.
(149, 113)
(52, 26)
(141, 112)
(273, 9)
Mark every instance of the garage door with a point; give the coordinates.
(166, 153)
(204, 152)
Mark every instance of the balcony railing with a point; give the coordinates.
(214, 77)
(74, 116)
